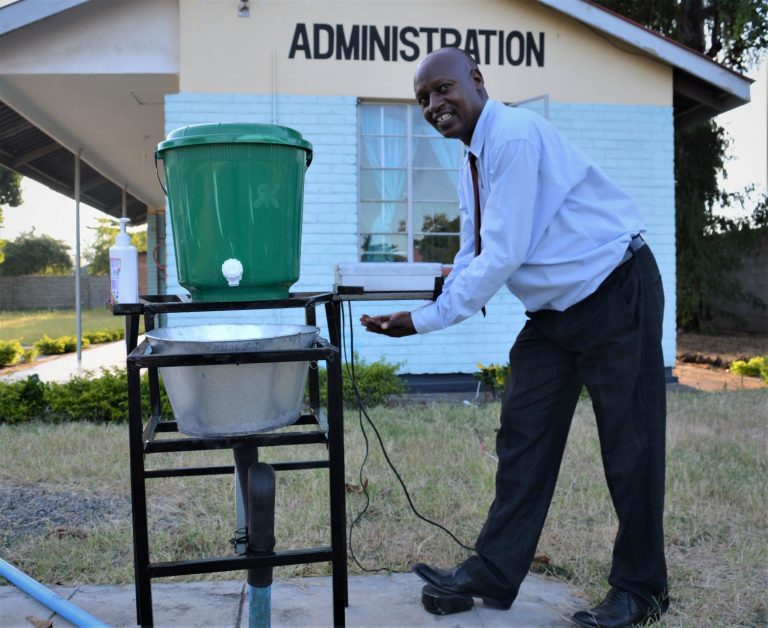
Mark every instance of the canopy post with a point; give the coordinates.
(78, 307)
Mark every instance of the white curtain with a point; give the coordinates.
(385, 152)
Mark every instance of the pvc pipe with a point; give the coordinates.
(259, 607)
(44, 595)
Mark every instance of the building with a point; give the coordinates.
(109, 79)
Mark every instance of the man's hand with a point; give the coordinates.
(396, 325)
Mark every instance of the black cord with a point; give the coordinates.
(350, 365)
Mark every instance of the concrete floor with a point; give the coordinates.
(378, 601)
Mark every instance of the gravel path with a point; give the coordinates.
(38, 509)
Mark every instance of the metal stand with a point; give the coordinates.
(327, 429)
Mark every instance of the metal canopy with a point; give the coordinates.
(32, 153)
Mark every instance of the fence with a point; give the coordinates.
(753, 277)
(43, 292)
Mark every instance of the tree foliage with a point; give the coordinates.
(32, 254)
(709, 247)
(106, 231)
(10, 194)
(10, 188)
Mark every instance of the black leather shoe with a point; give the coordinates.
(619, 609)
(456, 581)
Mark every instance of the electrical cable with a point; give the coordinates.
(350, 366)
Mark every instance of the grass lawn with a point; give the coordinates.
(28, 326)
(716, 517)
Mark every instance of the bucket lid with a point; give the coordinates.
(234, 133)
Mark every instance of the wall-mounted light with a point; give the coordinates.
(243, 10)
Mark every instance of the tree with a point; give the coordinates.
(734, 33)
(440, 249)
(106, 232)
(32, 254)
(10, 194)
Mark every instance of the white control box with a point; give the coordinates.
(388, 276)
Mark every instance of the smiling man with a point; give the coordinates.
(539, 217)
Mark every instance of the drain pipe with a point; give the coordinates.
(261, 541)
(257, 485)
(44, 595)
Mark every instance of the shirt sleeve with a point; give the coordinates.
(506, 230)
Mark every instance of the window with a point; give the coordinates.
(408, 205)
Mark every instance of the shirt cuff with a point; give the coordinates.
(426, 319)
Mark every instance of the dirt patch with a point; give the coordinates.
(703, 360)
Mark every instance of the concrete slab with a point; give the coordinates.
(189, 604)
(62, 368)
(16, 606)
(377, 601)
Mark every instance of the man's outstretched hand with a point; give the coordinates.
(396, 325)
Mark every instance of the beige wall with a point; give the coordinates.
(222, 52)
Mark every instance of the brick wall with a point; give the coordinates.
(633, 144)
(33, 291)
(38, 292)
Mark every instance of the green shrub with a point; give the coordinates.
(30, 355)
(493, 377)
(11, 352)
(100, 337)
(376, 382)
(57, 346)
(23, 400)
(102, 399)
(754, 367)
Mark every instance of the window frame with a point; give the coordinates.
(411, 110)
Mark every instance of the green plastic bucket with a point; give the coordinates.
(236, 195)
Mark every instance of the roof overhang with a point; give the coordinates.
(702, 88)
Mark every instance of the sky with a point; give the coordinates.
(53, 214)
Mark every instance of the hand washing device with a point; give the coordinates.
(236, 196)
(123, 268)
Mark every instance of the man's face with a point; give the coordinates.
(451, 93)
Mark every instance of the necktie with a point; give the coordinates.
(476, 189)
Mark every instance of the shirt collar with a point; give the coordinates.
(481, 128)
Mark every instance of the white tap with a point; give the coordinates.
(232, 270)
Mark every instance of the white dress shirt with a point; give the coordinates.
(553, 225)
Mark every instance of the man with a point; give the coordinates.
(566, 241)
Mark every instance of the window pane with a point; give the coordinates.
(436, 217)
(383, 120)
(436, 152)
(435, 248)
(421, 126)
(435, 185)
(382, 152)
(383, 217)
(382, 248)
(382, 185)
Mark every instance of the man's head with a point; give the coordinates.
(451, 92)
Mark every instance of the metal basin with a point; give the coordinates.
(233, 399)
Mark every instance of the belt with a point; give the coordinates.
(635, 244)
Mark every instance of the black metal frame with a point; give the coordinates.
(329, 430)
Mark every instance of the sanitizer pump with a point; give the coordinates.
(123, 268)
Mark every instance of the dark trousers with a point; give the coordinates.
(610, 342)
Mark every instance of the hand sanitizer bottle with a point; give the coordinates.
(123, 268)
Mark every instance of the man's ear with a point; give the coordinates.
(477, 78)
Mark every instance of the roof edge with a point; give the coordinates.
(25, 12)
(655, 45)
